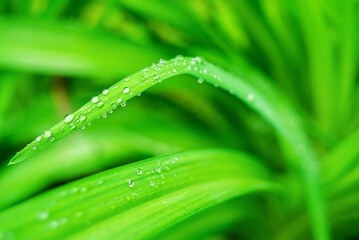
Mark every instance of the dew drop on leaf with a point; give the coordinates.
(94, 100)
(250, 97)
(139, 171)
(126, 90)
(43, 216)
(54, 224)
(47, 134)
(68, 118)
(200, 80)
(38, 139)
(82, 118)
(100, 105)
(63, 221)
(131, 183)
(105, 92)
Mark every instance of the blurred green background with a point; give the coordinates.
(56, 55)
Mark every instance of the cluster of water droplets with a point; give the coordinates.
(117, 95)
(155, 176)
(150, 176)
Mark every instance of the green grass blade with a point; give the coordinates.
(320, 56)
(341, 160)
(260, 97)
(135, 194)
(150, 134)
(237, 213)
(69, 49)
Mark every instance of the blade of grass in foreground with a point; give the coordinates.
(137, 200)
(260, 96)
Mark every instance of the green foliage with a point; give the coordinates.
(183, 183)
(265, 147)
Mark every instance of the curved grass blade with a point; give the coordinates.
(133, 195)
(78, 156)
(258, 95)
(219, 219)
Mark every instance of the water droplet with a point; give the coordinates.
(200, 80)
(83, 189)
(155, 77)
(127, 79)
(54, 224)
(82, 118)
(99, 182)
(68, 118)
(138, 94)
(250, 97)
(100, 104)
(52, 138)
(113, 105)
(105, 92)
(131, 183)
(139, 171)
(38, 139)
(152, 183)
(43, 215)
(34, 147)
(126, 90)
(104, 115)
(94, 100)
(179, 57)
(63, 221)
(47, 134)
(119, 100)
(123, 104)
(83, 127)
(198, 59)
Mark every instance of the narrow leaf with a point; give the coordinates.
(260, 96)
(129, 201)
